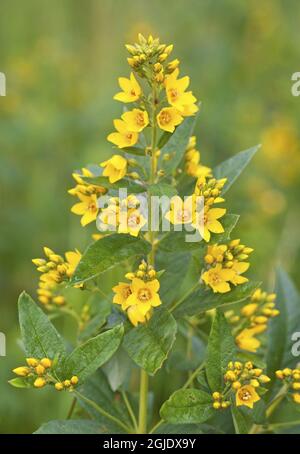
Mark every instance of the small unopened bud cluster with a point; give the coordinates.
(148, 58)
(291, 378)
(210, 190)
(227, 254)
(83, 187)
(261, 308)
(240, 374)
(220, 402)
(53, 266)
(145, 272)
(67, 384)
(36, 371)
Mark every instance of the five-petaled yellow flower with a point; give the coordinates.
(144, 294)
(246, 395)
(122, 292)
(136, 119)
(131, 89)
(246, 339)
(115, 168)
(131, 221)
(177, 95)
(181, 211)
(124, 137)
(208, 222)
(87, 208)
(218, 278)
(168, 118)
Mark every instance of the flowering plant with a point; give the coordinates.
(180, 305)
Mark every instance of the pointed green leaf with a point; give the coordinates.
(233, 167)
(106, 253)
(187, 406)
(220, 350)
(203, 299)
(149, 344)
(160, 189)
(280, 351)
(39, 336)
(131, 185)
(88, 357)
(19, 382)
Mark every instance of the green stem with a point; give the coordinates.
(130, 410)
(72, 408)
(143, 407)
(103, 412)
(193, 376)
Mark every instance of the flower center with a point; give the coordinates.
(165, 118)
(92, 207)
(215, 278)
(133, 220)
(245, 395)
(129, 135)
(132, 92)
(126, 292)
(144, 294)
(183, 215)
(140, 119)
(173, 94)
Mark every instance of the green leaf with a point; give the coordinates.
(97, 389)
(176, 145)
(39, 336)
(88, 357)
(177, 241)
(74, 427)
(179, 429)
(233, 167)
(149, 344)
(204, 299)
(187, 406)
(106, 253)
(19, 382)
(241, 420)
(160, 189)
(129, 184)
(102, 308)
(137, 151)
(163, 139)
(220, 350)
(117, 369)
(282, 327)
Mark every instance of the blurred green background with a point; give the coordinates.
(62, 59)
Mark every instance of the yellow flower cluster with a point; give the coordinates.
(88, 195)
(37, 371)
(204, 219)
(55, 270)
(123, 215)
(254, 318)
(291, 377)
(192, 161)
(220, 402)
(225, 265)
(138, 297)
(148, 60)
(244, 379)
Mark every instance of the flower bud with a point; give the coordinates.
(59, 386)
(32, 362)
(21, 371)
(39, 382)
(46, 362)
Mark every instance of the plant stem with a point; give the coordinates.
(177, 303)
(193, 376)
(143, 407)
(72, 408)
(130, 410)
(103, 412)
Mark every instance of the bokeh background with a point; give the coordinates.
(62, 59)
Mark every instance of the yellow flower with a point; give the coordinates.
(131, 221)
(39, 382)
(168, 118)
(246, 340)
(181, 211)
(131, 89)
(87, 208)
(136, 119)
(144, 294)
(22, 371)
(123, 137)
(115, 168)
(209, 222)
(239, 268)
(296, 397)
(123, 291)
(176, 94)
(73, 258)
(217, 278)
(249, 309)
(247, 396)
(110, 216)
(136, 316)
